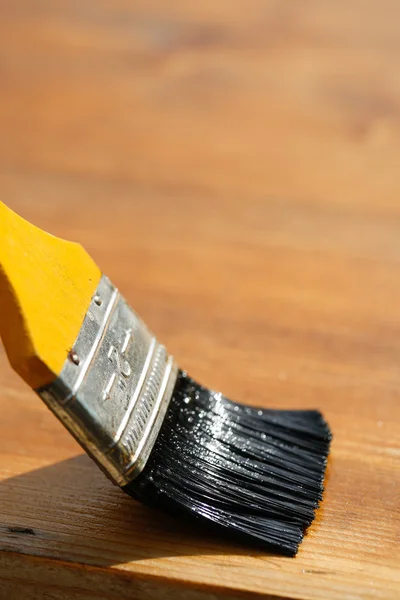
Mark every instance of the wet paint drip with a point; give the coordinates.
(255, 473)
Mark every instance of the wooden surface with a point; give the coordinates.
(234, 167)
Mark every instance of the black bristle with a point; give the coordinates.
(254, 472)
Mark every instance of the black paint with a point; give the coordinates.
(257, 474)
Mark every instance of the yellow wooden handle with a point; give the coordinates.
(46, 285)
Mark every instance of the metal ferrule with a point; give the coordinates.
(115, 386)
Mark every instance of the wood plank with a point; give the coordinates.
(233, 167)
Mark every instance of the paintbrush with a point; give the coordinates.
(254, 473)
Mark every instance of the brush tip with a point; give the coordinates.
(256, 474)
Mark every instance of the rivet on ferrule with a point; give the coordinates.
(115, 386)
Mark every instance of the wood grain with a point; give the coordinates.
(233, 167)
